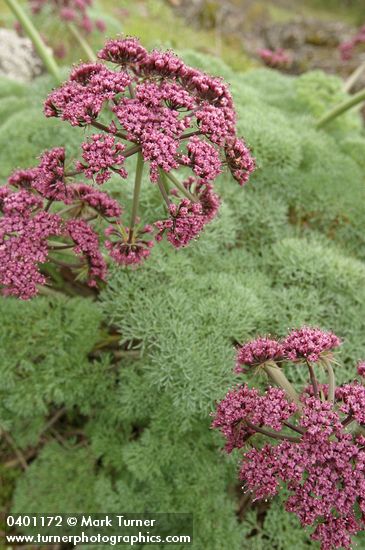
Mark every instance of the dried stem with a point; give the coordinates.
(10, 441)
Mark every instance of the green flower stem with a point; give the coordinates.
(354, 77)
(81, 40)
(331, 380)
(276, 375)
(341, 108)
(44, 53)
(136, 193)
(180, 187)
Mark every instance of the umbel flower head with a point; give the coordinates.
(309, 441)
(173, 118)
(45, 217)
(150, 105)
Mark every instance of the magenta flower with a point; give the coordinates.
(101, 155)
(277, 59)
(187, 218)
(257, 352)
(304, 440)
(347, 48)
(127, 248)
(33, 211)
(23, 236)
(101, 202)
(309, 343)
(168, 114)
(243, 410)
(149, 104)
(87, 245)
(239, 160)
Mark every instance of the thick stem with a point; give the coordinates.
(277, 376)
(313, 380)
(354, 77)
(341, 108)
(269, 433)
(180, 187)
(81, 40)
(44, 53)
(136, 193)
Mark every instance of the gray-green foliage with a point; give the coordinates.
(44, 361)
(287, 249)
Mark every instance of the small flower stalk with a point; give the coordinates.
(180, 125)
(313, 445)
(70, 11)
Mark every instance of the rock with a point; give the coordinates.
(18, 60)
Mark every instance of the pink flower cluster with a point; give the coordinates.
(244, 409)
(276, 59)
(188, 218)
(347, 48)
(151, 105)
(309, 343)
(101, 155)
(306, 343)
(258, 352)
(173, 116)
(42, 203)
(314, 446)
(75, 11)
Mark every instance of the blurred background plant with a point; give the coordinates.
(105, 400)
